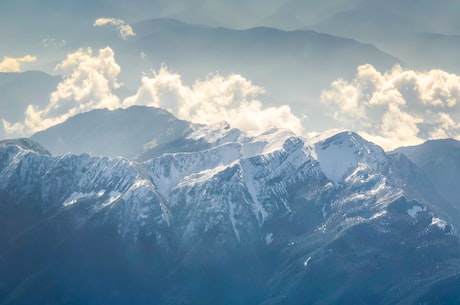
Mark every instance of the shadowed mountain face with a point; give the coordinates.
(290, 14)
(135, 206)
(215, 216)
(423, 34)
(124, 133)
(294, 67)
(439, 160)
(401, 29)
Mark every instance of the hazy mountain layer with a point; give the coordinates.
(293, 66)
(124, 133)
(439, 160)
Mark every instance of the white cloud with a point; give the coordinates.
(13, 64)
(123, 28)
(232, 99)
(398, 107)
(88, 81)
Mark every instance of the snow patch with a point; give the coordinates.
(336, 157)
(113, 196)
(324, 212)
(267, 142)
(75, 196)
(171, 170)
(231, 213)
(413, 211)
(141, 183)
(379, 214)
(257, 207)
(320, 137)
(202, 176)
(440, 223)
(268, 238)
(215, 133)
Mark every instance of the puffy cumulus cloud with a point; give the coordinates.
(215, 99)
(398, 107)
(123, 28)
(13, 64)
(88, 80)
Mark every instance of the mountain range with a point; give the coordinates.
(181, 213)
(292, 48)
(137, 206)
(406, 30)
(293, 67)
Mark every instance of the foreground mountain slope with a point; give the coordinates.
(228, 218)
(267, 219)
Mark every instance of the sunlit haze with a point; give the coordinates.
(294, 65)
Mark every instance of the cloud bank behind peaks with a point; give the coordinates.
(399, 107)
(90, 78)
(88, 81)
(13, 64)
(215, 99)
(125, 30)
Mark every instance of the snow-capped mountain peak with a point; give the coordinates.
(341, 154)
(214, 196)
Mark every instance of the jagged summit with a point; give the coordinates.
(289, 213)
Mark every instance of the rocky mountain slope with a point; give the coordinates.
(219, 217)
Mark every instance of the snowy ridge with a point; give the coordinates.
(238, 182)
(267, 142)
(168, 170)
(216, 134)
(230, 145)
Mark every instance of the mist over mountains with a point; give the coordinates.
(294, 50)
(421, 34)
(292, 66)
(211, 152)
